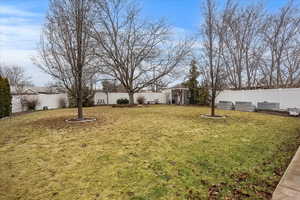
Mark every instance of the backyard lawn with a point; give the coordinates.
(156, 152)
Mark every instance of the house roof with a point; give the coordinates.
(35, 90)
(179, 86)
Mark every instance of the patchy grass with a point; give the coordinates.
(159, 152)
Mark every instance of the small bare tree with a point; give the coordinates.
(66, 50)
(18, 80)
(130, 48)
(213, 29)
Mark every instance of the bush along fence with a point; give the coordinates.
(53, 101)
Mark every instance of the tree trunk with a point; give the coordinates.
(239, 78)
(131, 98)
(213, 99)
(278, 80)
(79, 98)
(79, 108)
(271, 72)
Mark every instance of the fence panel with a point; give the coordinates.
(288, 98)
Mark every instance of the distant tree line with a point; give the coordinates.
(253, 48)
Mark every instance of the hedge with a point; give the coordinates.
(5, 98)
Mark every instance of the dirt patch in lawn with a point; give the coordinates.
(61, 123)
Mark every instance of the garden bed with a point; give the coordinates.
(124, 105)
(275, 112)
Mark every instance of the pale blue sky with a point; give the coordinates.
(21, 21)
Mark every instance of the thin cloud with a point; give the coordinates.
(13, 20)
(18, 29)
(19, 36)
(23, 58)
(13, 11)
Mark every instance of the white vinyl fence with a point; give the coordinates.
(49, 100)
(111, 98)
(288, 98)
(52, 100)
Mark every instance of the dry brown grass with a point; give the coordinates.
(159, 152)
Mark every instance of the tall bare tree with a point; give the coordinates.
(243, 46)
(130, 48)
(260, 49)
(281, 29)
(291, 71)
(66, 51)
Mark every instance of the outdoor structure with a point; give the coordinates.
(244, 106)
(294, 111)
(225, 105)
(35, 90)
(268, 106)
(177, 95)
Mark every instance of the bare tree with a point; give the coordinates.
(281, 29)
(16, 77)
(291, 66)
(257, 50)
(130, 48)
(213, 29)
(66, 50)
(243, 47)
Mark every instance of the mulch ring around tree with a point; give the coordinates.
(67, 122)
(84, 120)
(212, 117)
